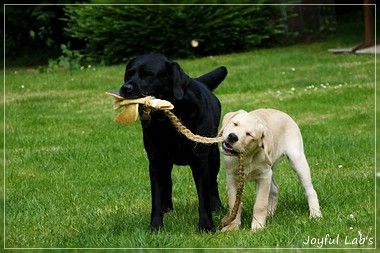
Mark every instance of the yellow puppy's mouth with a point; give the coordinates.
(227, 149)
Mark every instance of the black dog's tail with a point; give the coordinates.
(213, 78)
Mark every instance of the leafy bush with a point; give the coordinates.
(33, 33)
(70, 59)
(115, 33)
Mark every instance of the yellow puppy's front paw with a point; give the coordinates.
(256, 226)
(315, 214)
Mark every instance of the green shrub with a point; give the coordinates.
(115, 33)
(69, 59)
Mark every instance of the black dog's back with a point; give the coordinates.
(213, 78)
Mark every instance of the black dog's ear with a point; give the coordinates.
(180, 80)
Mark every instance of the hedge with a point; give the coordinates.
(117, 32)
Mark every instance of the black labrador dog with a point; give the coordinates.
(199, 110)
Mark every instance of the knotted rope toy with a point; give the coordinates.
(239, 193)
(130, 114)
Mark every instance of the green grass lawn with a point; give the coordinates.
(76, 179)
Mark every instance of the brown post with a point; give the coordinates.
(369, 38)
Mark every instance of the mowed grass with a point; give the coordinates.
(76, 179)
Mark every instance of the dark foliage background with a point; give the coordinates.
(114, 33)
(38, 24)
(58, 34)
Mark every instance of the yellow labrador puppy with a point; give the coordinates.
(263, 136)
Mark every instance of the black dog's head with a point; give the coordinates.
(154, 75)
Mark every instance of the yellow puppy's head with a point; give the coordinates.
(244, 132)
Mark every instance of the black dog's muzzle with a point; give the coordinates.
(128, 90)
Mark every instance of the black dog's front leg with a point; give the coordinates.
(202, 182)
(161, 190)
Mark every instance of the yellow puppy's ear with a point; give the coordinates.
(266, 143)
(227, 118)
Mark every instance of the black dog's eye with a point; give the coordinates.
(131, 72)
(145, 74)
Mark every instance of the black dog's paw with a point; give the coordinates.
(155, 229)
(207, 229)
(206, 226)
(156, 224)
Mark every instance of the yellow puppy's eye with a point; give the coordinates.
(235, 124)
(249, 134)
